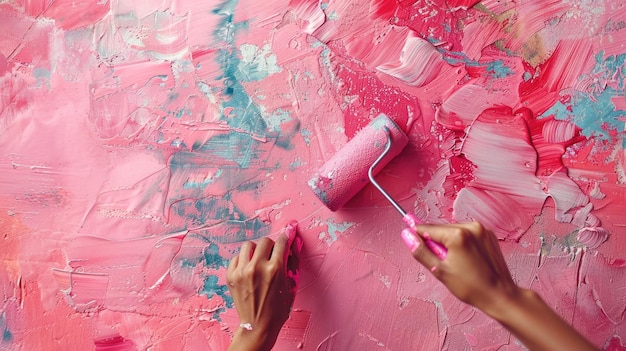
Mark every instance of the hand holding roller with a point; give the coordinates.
(409, 219)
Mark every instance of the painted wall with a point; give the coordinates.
(142, 142)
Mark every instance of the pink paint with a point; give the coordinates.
(68, 15)
(418, 62)
(464, 103)
(592, 237)
(511, 209)
(345, 174)
(142, 143)
(538, 93)
(350, 79)
(615, 344)
(116, 343)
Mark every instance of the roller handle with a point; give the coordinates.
(439, 250)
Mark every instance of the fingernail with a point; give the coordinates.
(426, 236)
(410, 239)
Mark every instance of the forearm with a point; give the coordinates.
(535, 324)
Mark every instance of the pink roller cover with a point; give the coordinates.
(345, 174)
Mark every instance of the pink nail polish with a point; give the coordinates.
(410, 239)
(426, 236)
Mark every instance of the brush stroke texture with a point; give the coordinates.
(143, 142)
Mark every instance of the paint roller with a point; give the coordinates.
(357, 163)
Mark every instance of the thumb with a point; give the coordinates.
(419, 250)
(438, 249)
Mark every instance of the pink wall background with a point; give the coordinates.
(142, 142)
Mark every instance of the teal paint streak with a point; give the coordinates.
(595, 113)
(250, 186)
(297, 163)
(277, 118)
(243, 113)
(7, 336)
(497, 69)
(235, 147)
(180, 113)
(211, 287)
(284, 142)
(612, 68)
(197, 213)
(306, 135)
(494, 69)
(593, 117)
(212, 258)
(188, 263)
(251, 230)
(239, 111)
(43, 77)
(527, 76)
(334, 229)
(196, 145)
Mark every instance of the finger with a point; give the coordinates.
(263, 250)
(419, 250)
(232, 265)
(280, 250)
(284, 242)
(445, 234)
(230, 272)
(247, 250)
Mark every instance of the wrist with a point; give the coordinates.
(509, 303)
(535, 324)
(251, 340)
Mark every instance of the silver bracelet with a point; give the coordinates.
(246, 326)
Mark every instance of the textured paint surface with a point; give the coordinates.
(143, 142)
